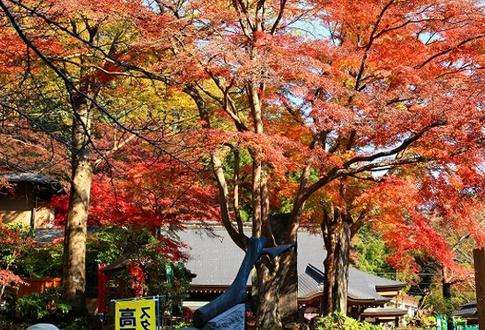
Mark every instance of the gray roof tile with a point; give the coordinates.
(216, 259)
(41, 180)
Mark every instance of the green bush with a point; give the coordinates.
(446, 306)
(45, 306)
(339, 321)
(427, 321)
(20, 253)
(41, 262)
(49, 307)
(182, 325)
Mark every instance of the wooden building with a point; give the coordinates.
(24, 199)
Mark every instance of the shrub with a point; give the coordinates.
(48, 307)
(45, 306)
(339, 321)
(445, 306)
(21, 254)
(41, 262)
(143, 266)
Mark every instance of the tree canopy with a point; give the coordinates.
(237, 110)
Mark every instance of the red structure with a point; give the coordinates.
(102, 279)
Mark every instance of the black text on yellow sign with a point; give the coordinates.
(135, 315)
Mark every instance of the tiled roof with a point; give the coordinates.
(361, 286)
(468, 310)
(213, 256)
(308, 286)
(216, 259)
(41, 180)
(383, 311)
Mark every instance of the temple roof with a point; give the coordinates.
(468, 310)
(213, 256)
(45, 184)
(383, 312)
(216, 259)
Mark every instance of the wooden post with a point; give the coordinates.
(479, 258)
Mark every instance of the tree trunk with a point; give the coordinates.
(269, 282)
(266, 284)
(288, 293)
(446, 284)
(74, 275)
(479, 263)
(336, 229)
(284, 233)
(271, 274)
(340, 291)
(267, 314)
(446, 290)
(277, 293)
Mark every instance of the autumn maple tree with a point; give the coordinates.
(140, 190)
(391, 87)
(347, 110)
(14, 243)
(59, 87)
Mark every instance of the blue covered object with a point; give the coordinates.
(236, 293)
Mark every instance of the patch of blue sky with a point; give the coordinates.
(428, 37)
(311, 29)
(373, 149)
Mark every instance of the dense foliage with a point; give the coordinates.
(21, 254)
(138, 258)
(342, 322)
(371, 253)
(339, 112)
(47, 306)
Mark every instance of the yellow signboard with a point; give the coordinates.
(137, 314)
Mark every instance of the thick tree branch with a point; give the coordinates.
(279, 17)
(372, 37)
(239, 238)
(405, 144)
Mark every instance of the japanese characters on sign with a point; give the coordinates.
(139, 314)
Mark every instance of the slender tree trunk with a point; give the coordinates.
(328, 303)
(336, 229)
(342, 283)
(479, 263)
(74, 276)
(446, 291)
(446, 284)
